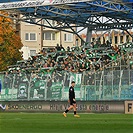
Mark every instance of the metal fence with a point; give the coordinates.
(39, 86)
(101, 85)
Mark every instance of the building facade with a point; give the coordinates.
(116, 37)
(35, 38)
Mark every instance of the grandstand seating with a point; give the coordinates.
(92, 57)
(102, 73)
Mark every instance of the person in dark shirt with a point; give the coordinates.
(58, 47)
(71, 100)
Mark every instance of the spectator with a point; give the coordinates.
(82, 68)
(68, 49)
(58, 47)
(86, 59)
(108, 44)
(113, 56)
(62, 48)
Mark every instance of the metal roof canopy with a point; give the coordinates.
(91, 14)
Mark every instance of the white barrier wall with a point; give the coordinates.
(55, 106)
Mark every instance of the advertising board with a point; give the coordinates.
(58, 106)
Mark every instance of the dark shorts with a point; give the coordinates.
(72, 102)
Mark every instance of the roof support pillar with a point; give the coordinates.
(88, 36)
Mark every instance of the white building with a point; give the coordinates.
(35, 38)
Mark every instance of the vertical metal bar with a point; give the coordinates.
(29, 82)
(95, 86)
(85, 93)
(129, 80)
(46, 88)
(63, 87)
(82, 84)
(103, 85)
(12, 87)
(112, 85)
(100, 86)
(121, 73)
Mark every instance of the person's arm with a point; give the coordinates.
(110, 56)
(115, 57)
(70, 94)
(73, 95)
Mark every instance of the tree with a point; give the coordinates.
(10, 43)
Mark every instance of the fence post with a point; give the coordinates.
(121, 73)
(63, 86)
(100, 86)
(29, 82)
(12, 87)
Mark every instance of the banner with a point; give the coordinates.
(55, 106)
(55, 86)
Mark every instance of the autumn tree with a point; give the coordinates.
(10, 43)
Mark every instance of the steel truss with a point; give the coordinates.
(91, 14)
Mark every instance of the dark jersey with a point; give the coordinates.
(71, 93)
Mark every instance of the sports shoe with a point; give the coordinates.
(76, 116)
(64, 114)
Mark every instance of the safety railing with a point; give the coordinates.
(103, 85)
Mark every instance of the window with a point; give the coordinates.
(53, 36)
(26, 36)
(49, 36)
(103, 39)
(32, 52)
(116, 40)
(127, 38)
(30, 37)
(68, 37)
(121, 39)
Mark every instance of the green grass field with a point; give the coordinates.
(56, 123)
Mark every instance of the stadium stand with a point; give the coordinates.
(101, 72)
(76, 59)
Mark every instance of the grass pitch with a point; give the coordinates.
(56, 123)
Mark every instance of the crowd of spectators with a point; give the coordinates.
(58, 66)
(94, 57)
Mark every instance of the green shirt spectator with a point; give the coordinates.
(113, 56)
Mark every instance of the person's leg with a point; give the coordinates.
(71, 107)
(74, 108)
